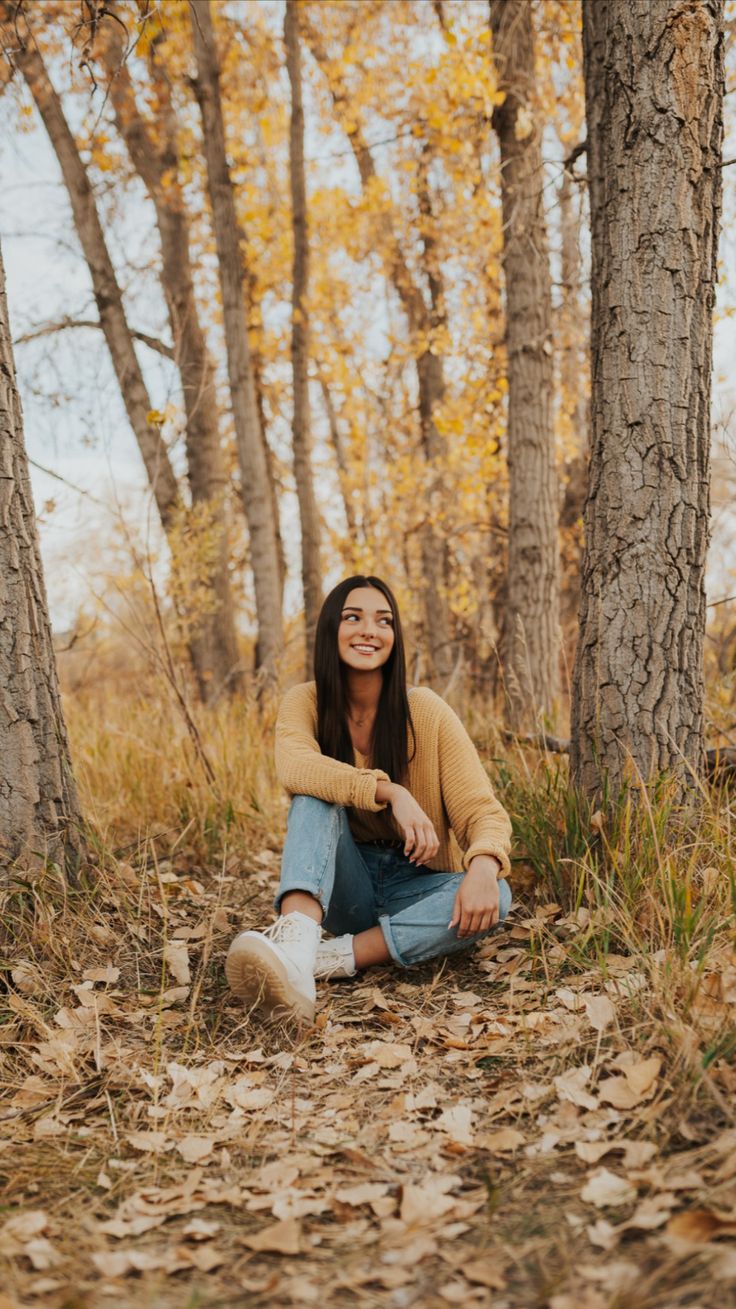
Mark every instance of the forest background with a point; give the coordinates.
(303, 409)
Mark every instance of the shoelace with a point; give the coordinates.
(284, 930)
(330, 960)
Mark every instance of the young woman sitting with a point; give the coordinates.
(395, 839)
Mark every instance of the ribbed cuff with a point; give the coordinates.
(364, 790)
(482, 847)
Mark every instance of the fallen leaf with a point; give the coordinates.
(701, 1225)
(24, 1226)
(148, 1142)
(107, 974)
(202, 1257)
(388, 1054)
(506, 1138)
(637, 1083)
(280, 1238)
(199, 1229)
(603, 1234)
(27, 977)
(569, 1086)
(176, 957)
(428, 1200)
(651, 1213)
(364, 1193)
(604, 1188)
(195, 1148)
(642, 1075)
(600, 1011)
(243, 1095)
(591, 1151)
(457, 1122)
(572, 1000)
(123, 1229)
(486, 1273)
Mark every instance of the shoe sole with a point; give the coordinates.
(255, 975)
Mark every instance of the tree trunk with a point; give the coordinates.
(430, 382)
(257, 499)
(654, 102)
(119, 338)
(301, 426)
(343, 471)
(39, 814)
(431, 377)
(154, 155)
(574, 403)
(532, 617)
(107, 293)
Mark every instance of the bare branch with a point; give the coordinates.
(48, 329)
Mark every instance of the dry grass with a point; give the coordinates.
(142, 1102)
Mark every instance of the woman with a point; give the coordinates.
(395, 839)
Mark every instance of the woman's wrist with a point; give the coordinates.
(386, 792)
(485, 863)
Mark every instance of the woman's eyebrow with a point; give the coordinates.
(355, 609)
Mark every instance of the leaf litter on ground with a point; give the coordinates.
(435, 1133)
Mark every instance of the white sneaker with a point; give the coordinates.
(275, 969)
(335, 958)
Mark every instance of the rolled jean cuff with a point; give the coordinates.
(316, 893)
(384, 922)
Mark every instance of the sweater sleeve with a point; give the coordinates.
(301, 767)
(480, 823)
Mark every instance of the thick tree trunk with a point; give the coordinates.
(301, 426)
(654, 100)
(532, 618)
(430, 383)
(256, 491)
(39, 815)
(154, 155)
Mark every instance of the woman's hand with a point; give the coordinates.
(477, 901)
(420, 838)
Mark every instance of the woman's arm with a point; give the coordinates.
(420, 838)
(480, 823)
(301, 767)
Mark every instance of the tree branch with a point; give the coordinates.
(48, 329)
(720, 760)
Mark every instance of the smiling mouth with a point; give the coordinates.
(365, 649)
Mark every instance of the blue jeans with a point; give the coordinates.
(361, 886)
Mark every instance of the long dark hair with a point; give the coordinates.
(393, 725)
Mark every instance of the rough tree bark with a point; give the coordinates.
(430, 379)
(39, 813)
(574, 401)
(154, 154)
(532, 633)
(256, 491)
(301, 424)
(654, 102)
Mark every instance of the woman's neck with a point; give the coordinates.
(363, 692)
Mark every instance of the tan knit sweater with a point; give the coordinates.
(445, 777)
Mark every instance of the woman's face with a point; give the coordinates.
(365, 637)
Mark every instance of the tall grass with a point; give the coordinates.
(141, 777)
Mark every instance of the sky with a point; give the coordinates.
(90, 490)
